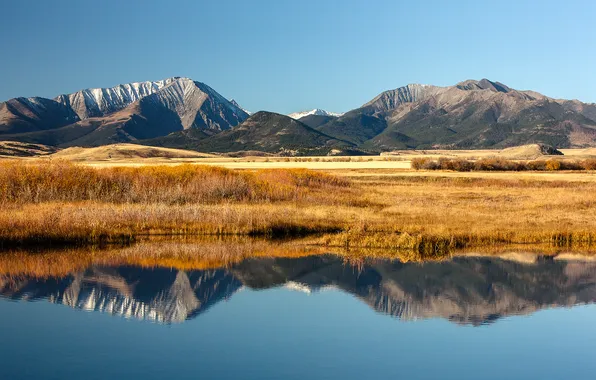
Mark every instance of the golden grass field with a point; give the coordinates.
(348, 202)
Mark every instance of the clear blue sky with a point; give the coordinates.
(286, 56)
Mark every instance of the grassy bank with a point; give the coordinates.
(61, 203)
(501, 164)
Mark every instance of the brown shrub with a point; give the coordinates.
(500, 164)
(538, 165)
(571, 165)
(417, 163)
(458, 164)
(552, 165)
(589, 164)
(425, 164)
(497, 164)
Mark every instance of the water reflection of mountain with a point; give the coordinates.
(162, 295)
(468, 290)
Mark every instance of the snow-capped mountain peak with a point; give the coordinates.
(316, 111)
(93, 102)
(188, 99)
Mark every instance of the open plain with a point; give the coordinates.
(118, 193)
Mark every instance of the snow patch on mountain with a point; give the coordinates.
(316, 111)
(195, 103)
(94, 102)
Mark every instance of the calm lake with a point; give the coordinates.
(315, 317)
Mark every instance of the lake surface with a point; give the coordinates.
(316, 317)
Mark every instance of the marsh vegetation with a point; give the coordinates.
(59, 202)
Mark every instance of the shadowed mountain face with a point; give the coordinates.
(315, 121)
(465, 290)
(262, 131)
(26, 115)
(124, 113)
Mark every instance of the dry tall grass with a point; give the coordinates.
(60, 202)
(65, 182)
(433, 213)
(64, 203)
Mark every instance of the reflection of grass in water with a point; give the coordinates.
(183, 255)
(209, 253)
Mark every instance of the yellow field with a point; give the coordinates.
(137, 155)
(381, 203)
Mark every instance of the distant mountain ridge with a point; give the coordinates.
(178, 112)
(316, 111)
(262, 131)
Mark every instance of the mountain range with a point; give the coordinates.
(181, 113)
(464, 290)
(126, 113)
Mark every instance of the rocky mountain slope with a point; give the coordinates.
(24, 115)
(124, 113)
(465, 290)
(96, 102)
(179, 113)
(471, 114)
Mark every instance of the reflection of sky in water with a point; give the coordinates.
(282, 333)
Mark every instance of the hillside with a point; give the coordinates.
(355, 126)
(529, 152)
(262, 131)
(315, 121)
(124, 152)
(19, 149)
